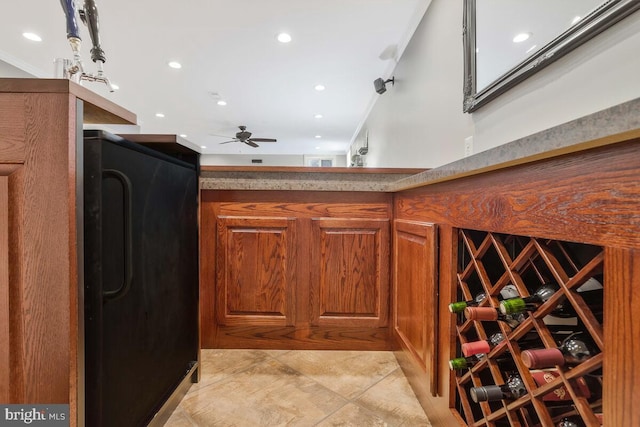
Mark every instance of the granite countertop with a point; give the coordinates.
(301, 178)
(610, 126)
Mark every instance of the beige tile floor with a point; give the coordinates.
(246, 388)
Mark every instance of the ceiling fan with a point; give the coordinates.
(245, 136)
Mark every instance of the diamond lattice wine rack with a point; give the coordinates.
(529, 331)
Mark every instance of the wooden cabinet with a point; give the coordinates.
(295, 270)
(589, 198)
(41, 238)
(415, 292)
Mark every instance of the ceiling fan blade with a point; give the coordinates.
(251, 143)
(226, 142)
(264, 139)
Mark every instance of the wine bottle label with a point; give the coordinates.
(509, 291)
(481, 313)
(458, 363)
(559, 321)
(457, 307)
(475, 347)
(512, 306)
(561, 393)
(542, 358)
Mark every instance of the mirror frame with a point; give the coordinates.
(603, 17)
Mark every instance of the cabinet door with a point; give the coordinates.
(349, 272)
(415, 290)
(255, 271)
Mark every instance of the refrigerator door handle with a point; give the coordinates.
(128, 239)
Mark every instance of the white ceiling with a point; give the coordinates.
(230, 48)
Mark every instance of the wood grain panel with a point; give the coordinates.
(207, 263)
(41, 200)
(12, 128)
(590, 197)
(309, 338)
(415, 304)
(621, 331)
(256, 264)
(350, 272)
(305, 210)
(5, 359)
(292, 197)
(96, 110)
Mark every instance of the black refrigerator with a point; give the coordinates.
(140, 278)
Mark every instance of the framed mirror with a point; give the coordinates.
(506, 41)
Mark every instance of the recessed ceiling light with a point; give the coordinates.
(159, 115)
(317, 148)
(318, 116)
(221, 102)
(318, 136)
(32, 36)
(532, 48)
(183, 135)
(521, 37)
(284, 38)
(203, 146)
(174, 64)
(319, 88)
(115, 86)
(575, 20)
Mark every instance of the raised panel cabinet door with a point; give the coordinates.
(415, 289)
(349, 272)
(256, 271)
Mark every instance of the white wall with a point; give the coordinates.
(267, 160)
(419, 122)
(9, 71)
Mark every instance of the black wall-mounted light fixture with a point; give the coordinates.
(381, 85)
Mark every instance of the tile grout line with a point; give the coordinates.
(276, 357)
(347, 399)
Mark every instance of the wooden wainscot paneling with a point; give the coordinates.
(415, 292)
(349, 272)
(255, 267)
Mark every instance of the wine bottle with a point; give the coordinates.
(530, 340)
(459, 363)
(465, 362)
(508, 291)
(483, 346)
(573, 350)
(512, 389)
(490, 314)
(573, 421)
(530, 303)
(459, 306)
